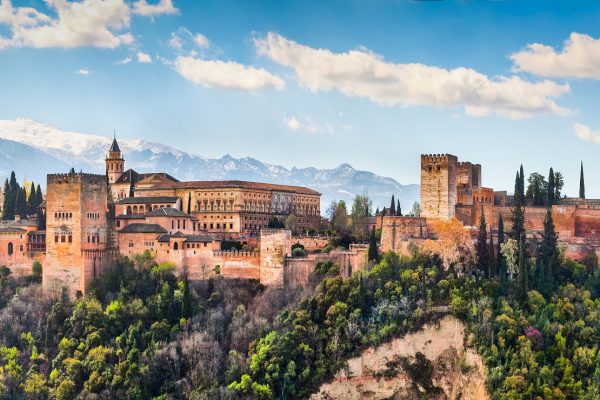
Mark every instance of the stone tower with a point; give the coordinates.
(275, 245)
(438, 185)
(115, 164)
(77, 231)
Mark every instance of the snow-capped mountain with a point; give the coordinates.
(33, 149)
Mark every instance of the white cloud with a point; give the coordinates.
(124, 61)
(201, 41)
(226, 74)
(292, 123)
(96, 23)
(143, 58)
(360, 73)
(185, 38)
(307, 125)
(586, 133)
(142, 7)
(83, 71)
(579, 58)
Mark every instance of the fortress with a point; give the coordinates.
(91, 219)
(453, 189)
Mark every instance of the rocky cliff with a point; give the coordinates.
(432, 363)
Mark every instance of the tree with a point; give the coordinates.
(492, 267)
(373, 254)
(581, 183)
(548, 255)
(537, 189)
(186, 300)
(6, 201)
(361, 207)
(340, 219)
(398, 208)
(551, 192)
(559, 183)
(32, 200)
(482, 245)
(523, 286)
(416, 210)
(501, 266)
(521, 182)
(517, 231)
(393, 207)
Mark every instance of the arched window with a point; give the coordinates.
(128, 210)
(10, 249)
(176, 246)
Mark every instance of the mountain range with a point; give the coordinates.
(32, 149)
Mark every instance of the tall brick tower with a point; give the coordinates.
(77, 231)
(438, 185)
(115, 164)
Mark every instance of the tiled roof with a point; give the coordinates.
(167, 212)
(114, 146)
(233, 184)
(143, 228)
(149, 200)
(12, 229)
(131, 175)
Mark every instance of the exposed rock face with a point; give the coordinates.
(432, 363)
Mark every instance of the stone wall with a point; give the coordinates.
(397, 232)
(275, 246)
(311, 243)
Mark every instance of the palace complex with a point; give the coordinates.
(90, 219)
(452, 189)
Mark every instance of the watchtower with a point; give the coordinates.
(77, 231)
(115, 164)
(438, 185)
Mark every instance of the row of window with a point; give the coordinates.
(63, 215)
(93, 215)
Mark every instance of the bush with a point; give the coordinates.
(36, 269)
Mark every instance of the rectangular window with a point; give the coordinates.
(70, 238)
(205, 244)
(62, 238)
(230, 226)
(204, 226)
(118, 224)
(55, 238)
(211, 226)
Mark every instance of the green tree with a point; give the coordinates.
(559, 183)
(548, 255)
(500, 264)
(537, 189)
(373, 253)
(581, 183)
(517, 231)
(32, 200)
(398, 208)
(551, 192)
(186, 299)
(523, 286)
(482, 250)
(393, 206)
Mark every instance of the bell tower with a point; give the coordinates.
(115, 164)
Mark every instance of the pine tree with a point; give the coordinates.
(482, 245)
(393, 207)
(398, 208)
(581, 183)
(373, 253)
(551, 188)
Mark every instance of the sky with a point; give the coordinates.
(372, 83)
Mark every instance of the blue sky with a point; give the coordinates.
(319, 83)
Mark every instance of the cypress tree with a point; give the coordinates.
(522, 182)
(39, 197)
(398, 208)
(393, 207)
(482, 245)
(6, 200)
(373, 253)
(31, 200)
(384, 212)
(20, 204)
(518, 216)
(377, 211)
(500, 264)
(367, 213)
(581, 183)
(492, 267)
(551, 188)
(523, 286)
(549, 253)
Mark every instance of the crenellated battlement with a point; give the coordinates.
(236, 253)
(79, 177)
(437, 158)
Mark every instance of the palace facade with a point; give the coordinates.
(92, 219)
